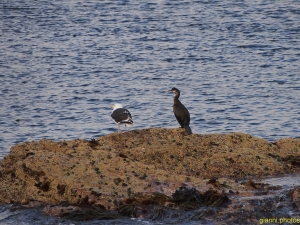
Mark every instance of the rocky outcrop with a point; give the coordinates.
(107, 171)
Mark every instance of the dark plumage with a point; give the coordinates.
(121, 115)
(181, 113)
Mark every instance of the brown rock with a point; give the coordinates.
(294, 194)
(117, 166)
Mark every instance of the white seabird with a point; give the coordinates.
(121, 115)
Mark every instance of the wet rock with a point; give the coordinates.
(86, 213)
(154, 198)
(294, 195)
(213, 198)
(292, 159)
(51, 210)
(144, 172)
(254, 185)
(214, 181)
(129, 210)
(203, 213)
(159, 213)
(188, 198)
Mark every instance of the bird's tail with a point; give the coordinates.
(188, 129)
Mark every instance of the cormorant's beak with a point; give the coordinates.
(170, 91)
(112, 106)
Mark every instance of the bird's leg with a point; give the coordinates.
(118, 128)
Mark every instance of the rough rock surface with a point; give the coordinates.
(111, 170)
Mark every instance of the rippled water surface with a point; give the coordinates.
(63, 63)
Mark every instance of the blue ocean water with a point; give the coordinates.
(63, 63)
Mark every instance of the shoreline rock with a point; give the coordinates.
(109, 171)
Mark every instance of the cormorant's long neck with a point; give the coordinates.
(176, 97)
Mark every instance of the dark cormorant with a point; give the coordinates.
(121, 115)
(181, 113)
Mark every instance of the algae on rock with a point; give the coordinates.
(117, 166)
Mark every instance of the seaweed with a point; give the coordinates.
(89, 213)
